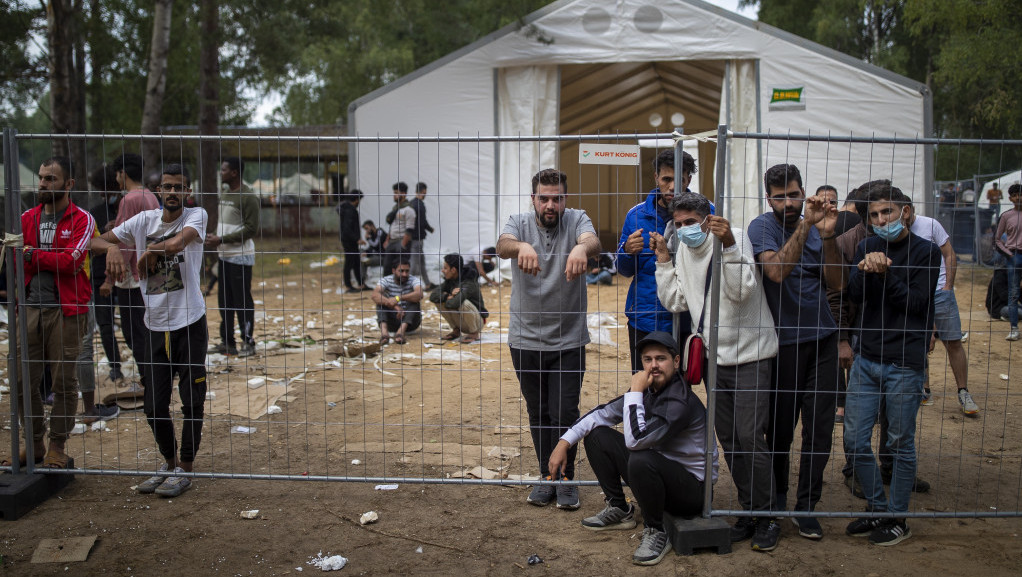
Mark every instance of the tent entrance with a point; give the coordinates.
(629, 97)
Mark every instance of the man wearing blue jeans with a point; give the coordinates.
(893, 283)
(1009, 243)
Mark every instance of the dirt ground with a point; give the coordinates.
(433, 411)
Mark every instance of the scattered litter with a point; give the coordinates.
(214, 359)
(256, 382)
(292, 283)
(332, 563)
(258, 302)
(5, 388)
(66, 550)
(310, 325)
(78, 429)
(252, 514)
(1004, 377)
(386, 487)
(210, 395)
(329, 261)
(368, 518)
(274, 410)
(284, 260)
(493, 291)
(243, 430)
(326, 291)
(505, 453)
(599, 328)
(331, 404)
(476, 473)
(100, 426)
(493, 325)
(356, 462)
(534, 560)
(418, 549)
(965, 337)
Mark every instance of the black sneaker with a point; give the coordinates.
(246, 350)
(102, 413)
(808, 527)
(890, 532)
(224, 349)
(567, 497)
(768, 531)
(744, 528)
(863, 527)
(542, 495)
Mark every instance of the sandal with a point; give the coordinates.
(384, 340)
(468, 338)
(400, 340)
(23, 458)
(451, 335)
(55, 460)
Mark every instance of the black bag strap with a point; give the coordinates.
(706, 297)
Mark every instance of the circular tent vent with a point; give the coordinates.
(596, 21)
(648, 19)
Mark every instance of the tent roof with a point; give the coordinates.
(670, 86)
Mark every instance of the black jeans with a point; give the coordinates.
(352, 266)
(186, 358)
(805, 384)
(133, 323)
(658, 483)
(235, 298)
(551, 383)
(388, 317)
(744, 393)
(105, 321)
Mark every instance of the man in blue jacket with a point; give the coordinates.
(635, 259)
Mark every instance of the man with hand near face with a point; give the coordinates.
(169, 245)
(661, 454)
(548, 334)
(799, 259)
(894, 282)
(57, 295)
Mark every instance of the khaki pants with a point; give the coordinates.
(53, 340)
(465, 320)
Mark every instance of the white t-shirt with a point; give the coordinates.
(932, 231)
(172, 296)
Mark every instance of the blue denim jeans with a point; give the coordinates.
(902, 388)
(1014, 272)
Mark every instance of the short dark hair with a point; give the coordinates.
(63, 162)
(369, 223)
(353, 194)
(400, 260)
(401, 187)
(666, 158)
(490, 251)
(550, 176)
(780, 175)
(130, 164)
(1015, 190)
(236, 164)
(692, 201)
(454, 261)
(826, 187)
(861, 194)
(888, 193)
(103, 178)
(176, 170)
(420, 186)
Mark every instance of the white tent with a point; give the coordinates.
(1002, 182)
(588, 66)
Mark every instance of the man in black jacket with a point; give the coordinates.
(422, 227)
(350, 235)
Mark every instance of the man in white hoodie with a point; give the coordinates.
(746, 345)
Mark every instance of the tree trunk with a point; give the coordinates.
(60, 36)
(156, 85)
(209, 109)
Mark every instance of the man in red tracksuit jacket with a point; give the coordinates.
(55, 311)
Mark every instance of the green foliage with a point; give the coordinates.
(23, 71)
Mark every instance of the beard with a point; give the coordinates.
(51, 196)
(788, 218)
(548, 219)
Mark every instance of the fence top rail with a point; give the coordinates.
(872, 139)
(418, 138)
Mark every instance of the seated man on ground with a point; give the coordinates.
(660, 455)
(459, 301)
(601, 270)
(398, 297)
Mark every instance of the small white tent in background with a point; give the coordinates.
(1002, 182)
(612, 66)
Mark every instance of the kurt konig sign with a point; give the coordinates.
(620, 154)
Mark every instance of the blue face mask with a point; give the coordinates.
(692, 235)
(890, 231)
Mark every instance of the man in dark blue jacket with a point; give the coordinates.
(635, 259)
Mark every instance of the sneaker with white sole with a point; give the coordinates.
(808, 527)
(611, 518)
(768, 531)
(541, 495)
(149, 486)
(968, 405)
(653, 548)
(927, 399)
(890, 532)
(1012, 335)
(174, 486)
(567, 497)
(863, 527)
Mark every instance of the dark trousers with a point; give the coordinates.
(551, 383)
(658, 483)
(133, 327)
(388, 317)
(743, 422)
(183, 353)
(235, 299)
(352, 266)
(805, 384)
(105, 321)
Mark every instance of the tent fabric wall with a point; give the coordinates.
(743, 197)
(459, 95)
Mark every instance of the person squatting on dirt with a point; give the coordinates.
(398, 298)
(459, 300)
(661, 454)
(169, 244)
(746, 341)
(58, 291)
(548, 334)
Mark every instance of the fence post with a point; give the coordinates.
(15, 294)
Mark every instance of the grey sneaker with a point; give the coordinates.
(174, 486)
(1012, 335)
(567, 497)
(149, 486)
(541, 495)
(968, 405)
(653, 548)
(246, 350)
(611, 518)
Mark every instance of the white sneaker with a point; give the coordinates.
(969, 406)
(1012, 335)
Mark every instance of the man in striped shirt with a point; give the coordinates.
(398, 297)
